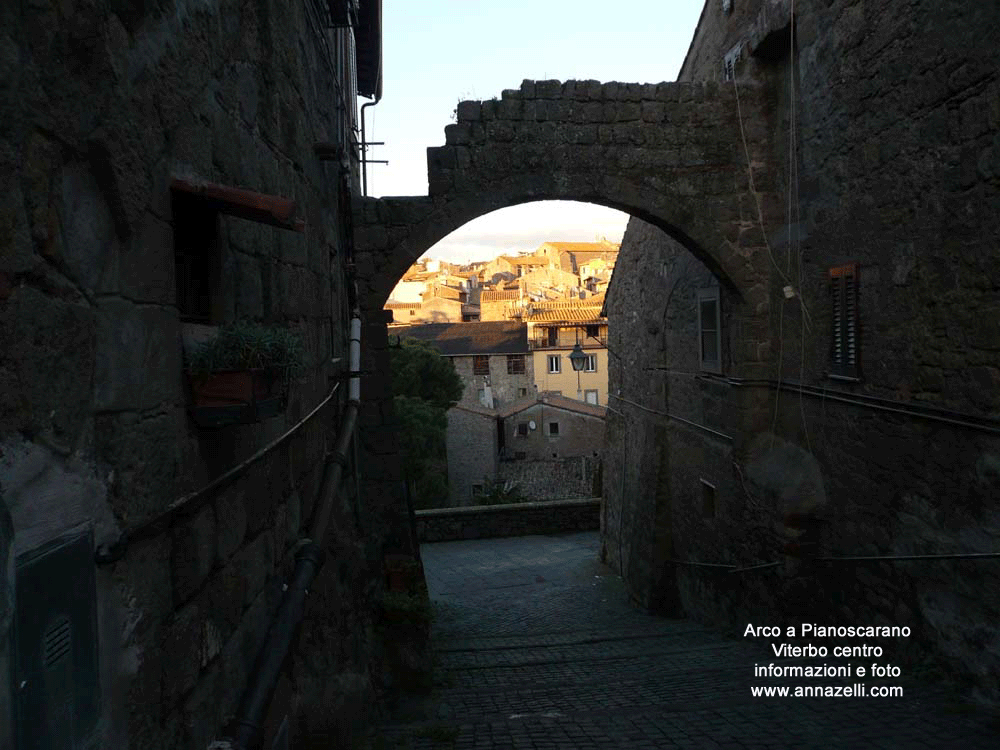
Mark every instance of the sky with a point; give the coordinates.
(439, 52)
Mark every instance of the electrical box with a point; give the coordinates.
(55, 674)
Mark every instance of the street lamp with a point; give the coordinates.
(577, 358)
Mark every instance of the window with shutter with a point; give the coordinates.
(844, 343)
(729, 62)
(710, 330)
(481, 364)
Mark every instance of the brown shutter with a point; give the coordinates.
(844, 341)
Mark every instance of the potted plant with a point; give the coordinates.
(241, 375)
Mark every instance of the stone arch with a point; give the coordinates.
(691, 225)
(673, 154)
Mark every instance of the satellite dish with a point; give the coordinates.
(531, 424)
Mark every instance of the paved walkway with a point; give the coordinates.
(538, 647)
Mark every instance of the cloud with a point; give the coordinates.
(525, 227)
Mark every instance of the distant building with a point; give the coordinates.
(570, 256)
(554, 329)
(491, 358)
(550, 426)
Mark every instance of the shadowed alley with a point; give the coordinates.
(537, 646)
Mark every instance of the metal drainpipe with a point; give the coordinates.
(246, 727)
(364, 148)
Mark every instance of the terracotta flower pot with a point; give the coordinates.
(234, 397)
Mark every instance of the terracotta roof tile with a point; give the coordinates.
(566, 314)
(498, 296)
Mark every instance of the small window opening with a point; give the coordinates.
(710, 330)
(515, 364)
(196, 257)
(707, 499)
(481, 365)
(553, 428)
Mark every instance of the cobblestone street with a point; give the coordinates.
(538, 647)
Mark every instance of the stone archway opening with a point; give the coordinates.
(687, 159)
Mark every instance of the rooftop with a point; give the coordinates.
(550, 399)
(464, 339)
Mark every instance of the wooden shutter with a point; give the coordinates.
(845, 346)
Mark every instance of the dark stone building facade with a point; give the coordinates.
(131, 137)
(872, 428)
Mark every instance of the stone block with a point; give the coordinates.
(291, 247)
(182, 648)
(527, 89)
(488, 110)
(441, 157)
(146, 264)
(653, 111)
(16, 251)
(49, 352)
(631, 92)
(458, 134)
(201, 712)
(550, 89)
(469, 111)
(138, 356)
(88, 238)
(372, 237)
(249, 286)
(193, 553)
(255, 563)
(509, 109)
(231, 512)
(500, 132)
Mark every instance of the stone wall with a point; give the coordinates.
(506, 387)
(577, 434)
(472, 453)
(521, 519)
(553, 478)
(893, 170)
(104, 104)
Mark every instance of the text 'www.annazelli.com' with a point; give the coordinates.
(857, 690)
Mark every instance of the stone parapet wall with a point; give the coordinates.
(520, 519)
(551, 479)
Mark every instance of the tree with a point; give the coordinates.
(419, 370)
(425, 386)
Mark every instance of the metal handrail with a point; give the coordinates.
(108, 553)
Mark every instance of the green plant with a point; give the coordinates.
(248, 346)
(500, 493)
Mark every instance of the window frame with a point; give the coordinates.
(710, 294)
(845, 322)
(521, 429)
(553, 432)
(597, 396)
(555, 359)
(477, 361)
(591, 359)
(512, 361)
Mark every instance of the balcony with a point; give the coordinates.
(566, 342)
